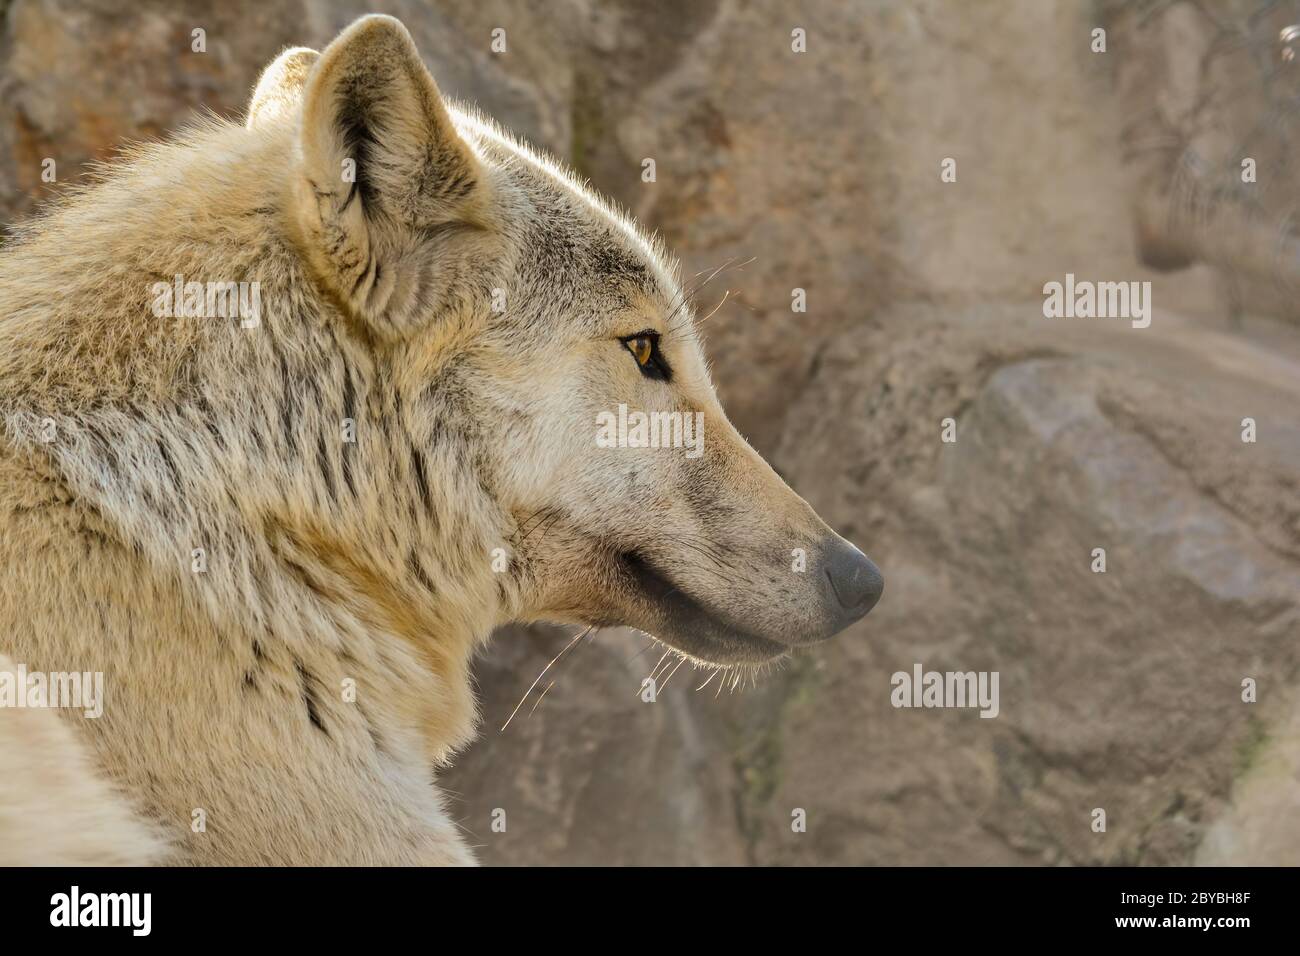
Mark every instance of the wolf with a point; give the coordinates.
(281, 542)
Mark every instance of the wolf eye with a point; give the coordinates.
(644, 347)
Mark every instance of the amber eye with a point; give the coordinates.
(642, 348)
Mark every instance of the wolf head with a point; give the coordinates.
(470, 392)
(560, 340)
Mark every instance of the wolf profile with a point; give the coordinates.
(276, 541)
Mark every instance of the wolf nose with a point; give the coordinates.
(855, 580)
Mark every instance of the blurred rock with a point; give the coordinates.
(1119, 690)
(1262, 828)
(586, 771)
(1209, 99)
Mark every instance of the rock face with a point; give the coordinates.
(820, 171)
(1119, 690)
(591, 773)
(1210, 100)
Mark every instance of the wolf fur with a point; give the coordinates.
(285, 617)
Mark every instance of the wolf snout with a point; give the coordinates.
(855, 582)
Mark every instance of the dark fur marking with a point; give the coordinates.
(352, 194)
(422, 482)
(613, 263)
(372, 264)
(458, 187)
(553, 250)
(413, 561)
(349, 393)
(171, 465)
(306, 578)
(288, 409)
(326, 468)
(375, 738)
(349, 413)
(308, 682)
(359, 140)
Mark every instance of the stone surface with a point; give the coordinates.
(1119, 690)
(585, 771)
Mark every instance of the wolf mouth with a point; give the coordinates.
(689, 626)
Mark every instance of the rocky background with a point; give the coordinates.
(821, 171)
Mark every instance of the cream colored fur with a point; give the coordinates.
(132, 440)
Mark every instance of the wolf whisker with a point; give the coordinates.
(537, 703)
(714, 673)
(659, 664)
(671, 673)
(712, 311)
(653, 641)
(580, 636)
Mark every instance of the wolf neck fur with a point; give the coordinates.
(270, 518)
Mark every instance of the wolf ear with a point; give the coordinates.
(279, 89)
(382, 167)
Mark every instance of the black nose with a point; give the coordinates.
(855, 581)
